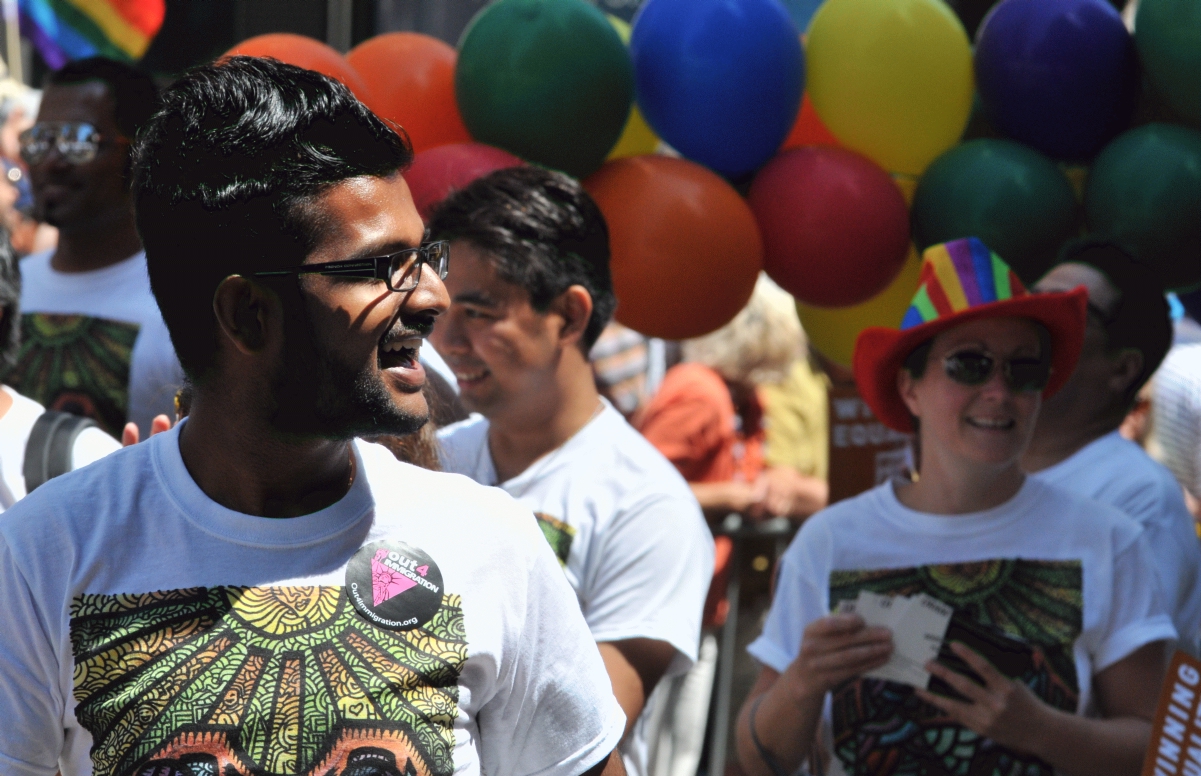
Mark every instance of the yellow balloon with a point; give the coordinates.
(891, 79)
(833, 330)
(637, 138)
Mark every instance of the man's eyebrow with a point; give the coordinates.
(476, 297)
(383, 249)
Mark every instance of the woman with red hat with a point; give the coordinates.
(1026, 636)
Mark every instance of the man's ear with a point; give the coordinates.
(905, 387)
(1125, 368)
(574, 306)
(246, 311)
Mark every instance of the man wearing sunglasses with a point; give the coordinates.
(1077, 444)
(255, 591)
(93, 341)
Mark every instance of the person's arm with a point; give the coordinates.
(1007, 712)
(718, 499)
(792, 494)
(635, 667)
(610, 766)
(779, 719)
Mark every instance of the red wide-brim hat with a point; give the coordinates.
(963, 281)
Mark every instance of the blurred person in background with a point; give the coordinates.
(529, 295)
(1077, 444)
(708, 415)
(26, 430)
(93, 340)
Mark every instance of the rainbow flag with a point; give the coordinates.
(63, 30)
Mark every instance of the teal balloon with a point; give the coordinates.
(1013, 198)
(1167, 34)
(1144, 191)
(547, 80)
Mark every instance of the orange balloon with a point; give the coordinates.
(685, 247)
(412, 79)
(808, 129)
(307, 53)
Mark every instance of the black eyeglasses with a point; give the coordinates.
(971, 367)
(400, 270)
(76, 141)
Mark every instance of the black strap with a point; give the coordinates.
(51, 442)
(765, 754)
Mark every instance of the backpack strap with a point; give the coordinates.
(51, 442)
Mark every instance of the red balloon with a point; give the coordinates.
(835, 227)
(412, 80)
(307, 53)
(808, 129)
(685, 249)
(434, 173)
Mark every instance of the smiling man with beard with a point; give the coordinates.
(255, 591)
(93, 341)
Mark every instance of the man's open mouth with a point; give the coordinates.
(400, 353)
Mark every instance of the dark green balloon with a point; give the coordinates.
(1145, 191)
(548, 80)
(1010, 196)
(1168, 36)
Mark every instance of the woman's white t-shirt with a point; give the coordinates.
(1069, 576)
(418, 625)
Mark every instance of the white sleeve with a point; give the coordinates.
(31, 704)
(657, 566)
(1137, 613)
(553, 713)
(155, 376)
(90, 446)
(798, 601)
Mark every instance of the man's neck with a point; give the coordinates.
(519, 437)
(241, 463)
(88, 249)
(1059, 437)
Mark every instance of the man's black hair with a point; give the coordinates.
(223, 172)
(133, 91)
(542, 232)
(10, 304)
(1141, 320)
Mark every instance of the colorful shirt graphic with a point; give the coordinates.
(880, 728)
(77, 364)
(233, 681)
(558, 533)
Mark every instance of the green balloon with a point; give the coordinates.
(1010, 196)
(548, 80)
(1145, 191)
(1168, 36)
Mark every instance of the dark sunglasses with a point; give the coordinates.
(400, 270)
(971, 367)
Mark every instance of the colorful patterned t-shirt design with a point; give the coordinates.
(882, 729)
(77, 364)
(233, 681)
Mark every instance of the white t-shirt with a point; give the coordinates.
(1176, 414)
(91, 445)
(624, 524)
(1117, 472)
(111, 359)
(1066, 575)
(420, 624)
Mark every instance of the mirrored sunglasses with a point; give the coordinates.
(77, 142)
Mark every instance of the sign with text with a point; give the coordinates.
(863, 451)
(1175, 748)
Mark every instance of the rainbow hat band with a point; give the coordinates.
(963, 281)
